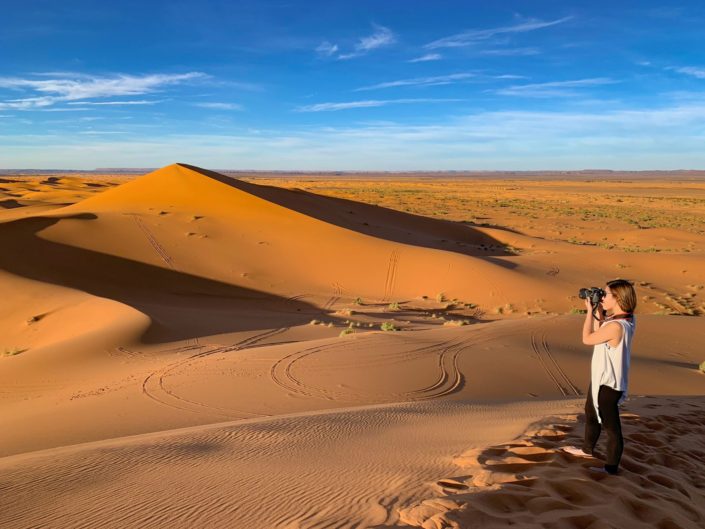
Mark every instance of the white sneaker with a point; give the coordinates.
(575, 451)
(599, 470)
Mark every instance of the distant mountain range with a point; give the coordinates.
(685, 174)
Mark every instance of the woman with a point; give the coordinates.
(611, 335)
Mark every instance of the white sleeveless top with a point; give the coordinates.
(610, 365)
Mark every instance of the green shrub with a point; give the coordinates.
(702, 367)
(388, 326)
(346, 331)
(393, 306)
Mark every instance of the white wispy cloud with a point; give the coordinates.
(326, 49)
(510, 52)
(421, 81)
(554, 88)
(692, 71)
(470, 37)
(36, 105)
(331, 107)
(96, 132)
(381, 37)
(220, 106)
(118, 103)
(668, 137)
(427, 57)
(507, 76)
(62, 109)
(80, 87)
(26, 103)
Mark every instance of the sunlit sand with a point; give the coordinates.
(187, 349)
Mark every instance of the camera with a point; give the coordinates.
(594, 294)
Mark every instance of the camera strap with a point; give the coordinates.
(627, 316)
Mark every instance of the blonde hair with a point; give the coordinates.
(624, 293)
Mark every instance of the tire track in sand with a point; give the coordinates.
(153, 385)
(154, 242)
(390, 280)
(449, 380)
(281, 371)
(337, 293)
(551, 366)
(450, 377)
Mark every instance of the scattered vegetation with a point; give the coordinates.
(13, 351)
(388, 326)
(393, 306)
(346, 331)
(506, 309)
(571, 204)
(456, 323)
(440, 297)
(701, 367)
(578, 311)
(358, 301)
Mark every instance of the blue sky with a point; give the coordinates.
(366, 85)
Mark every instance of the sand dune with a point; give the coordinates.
(251, 315)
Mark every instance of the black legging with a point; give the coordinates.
(607, 400)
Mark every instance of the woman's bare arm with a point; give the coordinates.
(593, 334)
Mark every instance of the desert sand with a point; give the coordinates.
(188, 349)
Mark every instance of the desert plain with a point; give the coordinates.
(188, 348)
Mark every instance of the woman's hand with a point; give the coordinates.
(600, 312)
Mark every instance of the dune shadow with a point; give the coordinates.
(376, 221)
(180, 305)
(10, 204)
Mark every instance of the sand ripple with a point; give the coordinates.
(343, 469)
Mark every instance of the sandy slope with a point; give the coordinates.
(529, 482)
(49, 397)
(342, 469)
(184, 298)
